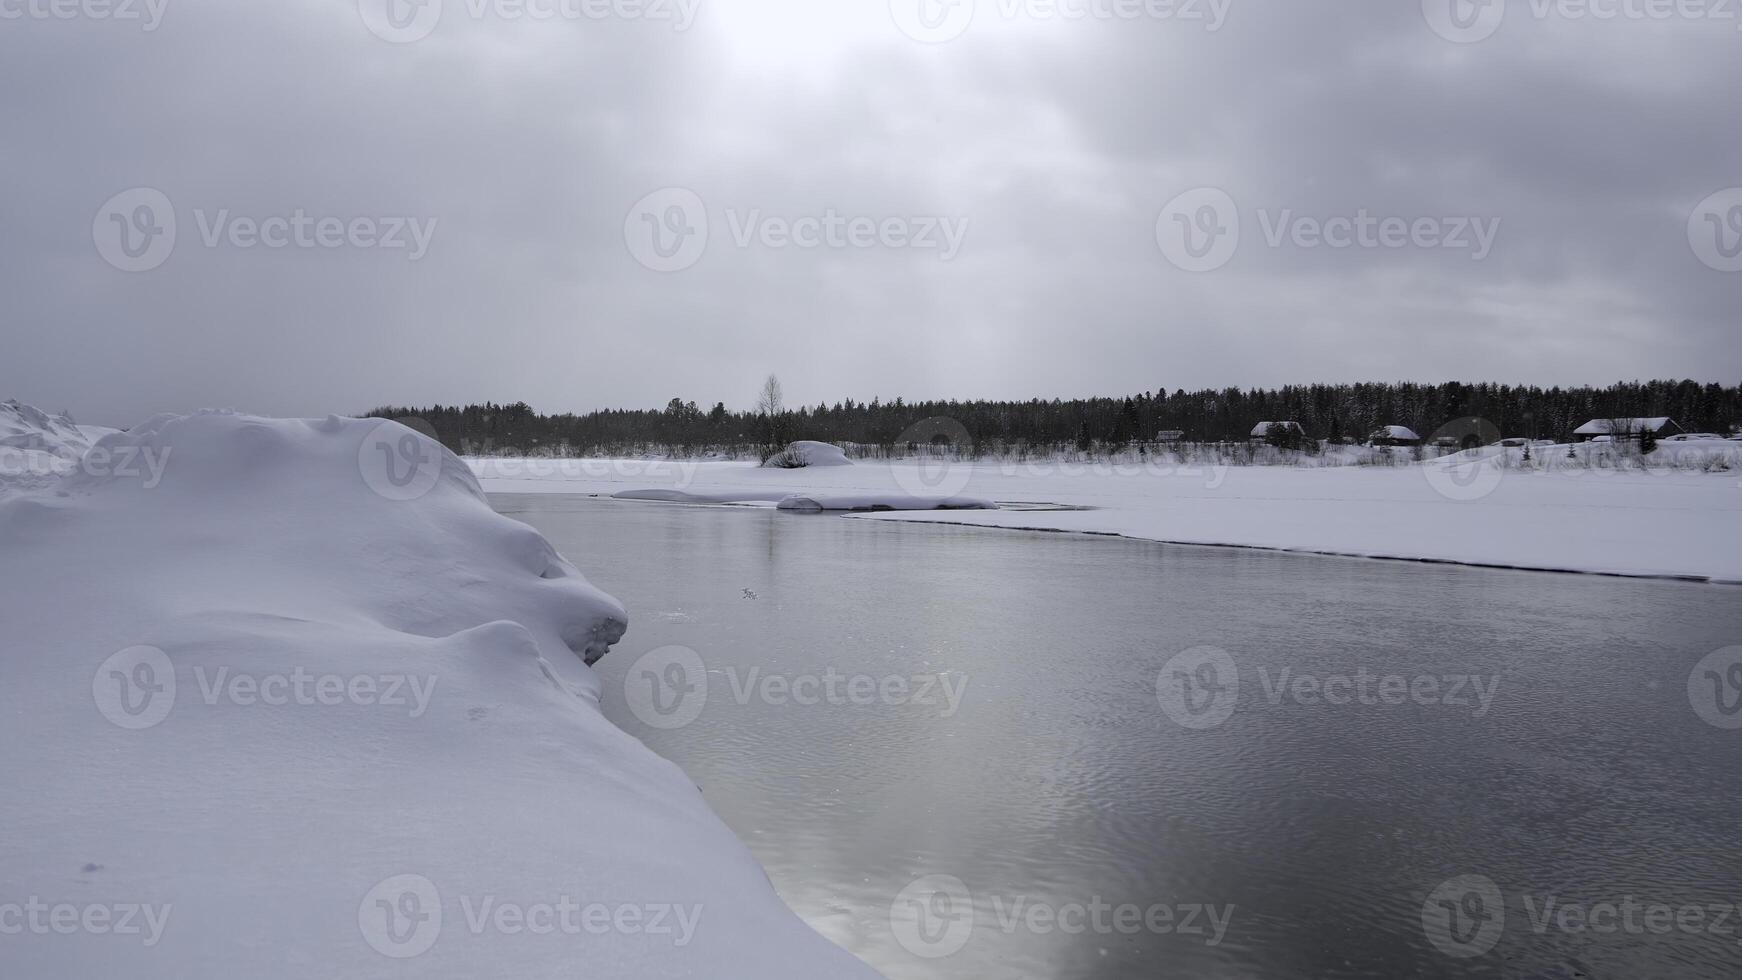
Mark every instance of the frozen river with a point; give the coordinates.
(949, 747)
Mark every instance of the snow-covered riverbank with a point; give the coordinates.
(287, 699)
(1658, 522)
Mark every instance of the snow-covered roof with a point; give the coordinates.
(1262, 429)
(1603, 427)
(1394, 432)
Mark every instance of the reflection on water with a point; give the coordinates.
(1059, 782)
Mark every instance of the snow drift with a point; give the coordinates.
(26, 427)
(807, 453)
(306, 706)
(36, 446)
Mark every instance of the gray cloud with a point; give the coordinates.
(526, 143)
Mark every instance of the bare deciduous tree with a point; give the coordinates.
(770, 414)
(769, 401)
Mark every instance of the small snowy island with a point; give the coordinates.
(288, 699)
(805, 453)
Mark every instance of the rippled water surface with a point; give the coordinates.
(1318, 831)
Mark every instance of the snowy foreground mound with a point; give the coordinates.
(305, 706)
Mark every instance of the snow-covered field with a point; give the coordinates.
(288, 699)
(1597, 512)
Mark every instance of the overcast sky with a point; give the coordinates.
(623, 201)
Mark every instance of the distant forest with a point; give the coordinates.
(1337, 413)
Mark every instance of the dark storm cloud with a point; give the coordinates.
(516, 147)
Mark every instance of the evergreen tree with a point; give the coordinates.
(1045, 425)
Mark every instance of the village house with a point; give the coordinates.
(1615, 429)
(1393, 435)
(1291, 431)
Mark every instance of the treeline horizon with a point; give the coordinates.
(1337, 413)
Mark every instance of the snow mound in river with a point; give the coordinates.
(808, 453)
(306, 702)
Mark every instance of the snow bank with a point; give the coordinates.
(36, 446)
(305, 706)
(806, 453)
(1711, 455)
(25, 427)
